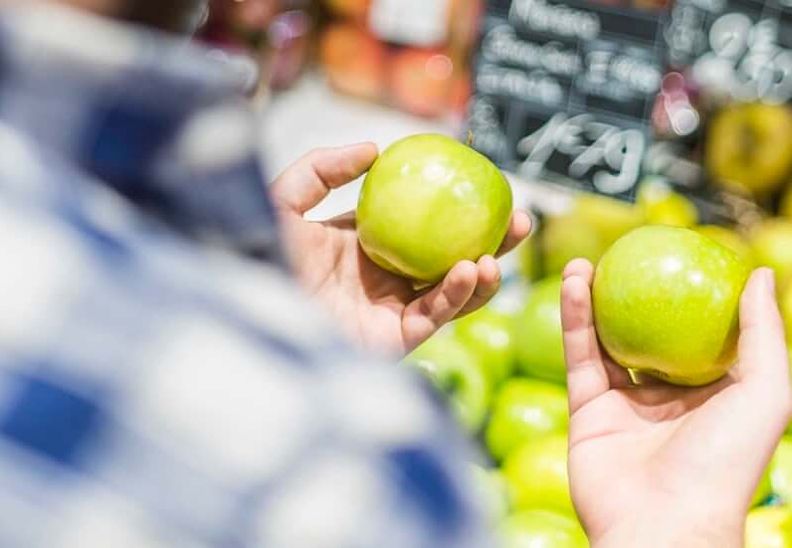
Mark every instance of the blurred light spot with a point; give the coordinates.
(439, 67)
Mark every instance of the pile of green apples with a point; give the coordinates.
(502, 371)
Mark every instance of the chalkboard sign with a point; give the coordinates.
(564, 90)
(738, 48)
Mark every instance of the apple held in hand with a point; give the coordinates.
(540, 349)
(769, 527)
(490, 334)
(541, 529)
(666, 303)
(728, 238)
(525, 410)
(454, 370)
(429, 202)
(536, 473)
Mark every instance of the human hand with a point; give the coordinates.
(661, 465)
(379, 310)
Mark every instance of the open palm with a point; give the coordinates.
(380, 310)
(659, 465)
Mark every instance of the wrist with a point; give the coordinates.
(705, 532)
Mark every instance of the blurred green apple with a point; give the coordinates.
(541, 529)
(662, 206)
(490, 333)
(454, 369)
(540, 349)
(429, 202)
(769, 527)
(530, 264)
(785, 305)
(568, 237)
(771, 242)
(728, 238)
(748, 147)
(611, 218)
(536, 473)
(764, 490)
(524, 410)
(491, 492)
(781, 470)
(666, 303)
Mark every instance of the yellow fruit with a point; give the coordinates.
(568, 237)
(771, 243)
(662, 206)
(749, 147)
(611, 218)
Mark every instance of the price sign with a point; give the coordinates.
(737, 48)
(564, 90)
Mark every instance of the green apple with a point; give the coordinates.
(785, 305)
(764, 490)
(781, 470)
(666, 303)
(728, 238)
(540, 348)
(771, 242)
(769, 527)
(454, 369)
(568, 237)
(530, 258)
(749, 147)
(524, 410)
(611, 218)
(429, 202)
(785, 206)
(536, 473)
(541, 529)
(662, 206)
(490, 334)
(491, 492)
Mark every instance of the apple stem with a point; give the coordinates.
(470, 138)
(635, 376)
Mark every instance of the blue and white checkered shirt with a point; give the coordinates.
(157, 389)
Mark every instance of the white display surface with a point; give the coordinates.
(312, 116)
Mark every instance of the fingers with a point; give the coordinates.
(519, 229)
(763, 355)
(308, 181)
(428, 313)
(587, 377)
(489, 278)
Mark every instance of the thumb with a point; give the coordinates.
(763, 353)
(304, 184)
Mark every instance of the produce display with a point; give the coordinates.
(653, 285)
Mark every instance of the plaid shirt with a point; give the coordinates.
(157, 389)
